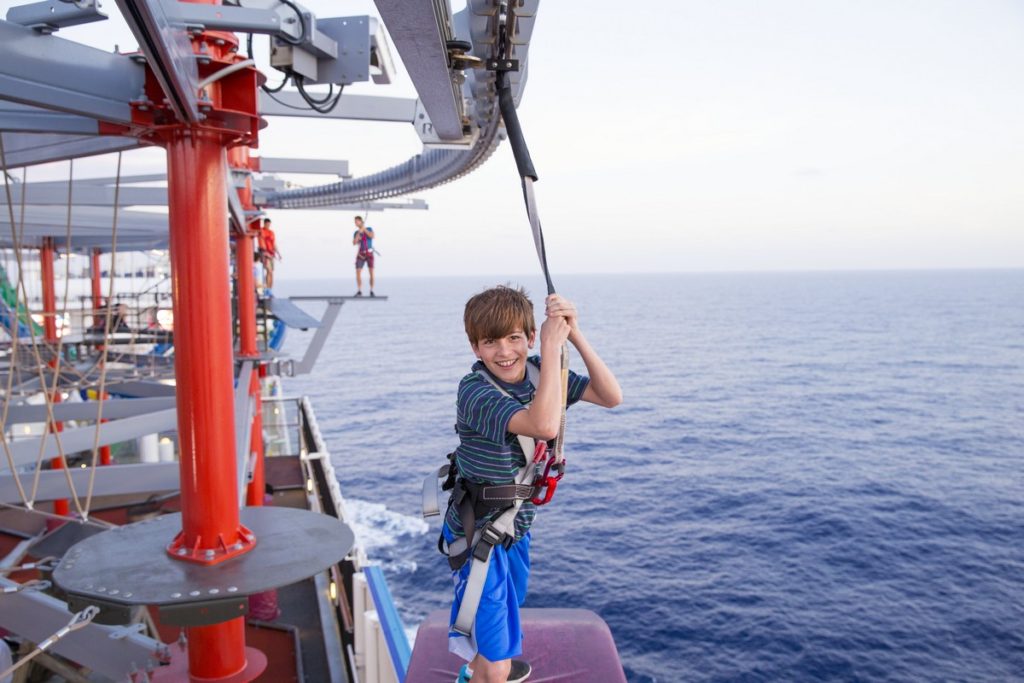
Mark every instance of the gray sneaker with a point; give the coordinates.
(520, 671)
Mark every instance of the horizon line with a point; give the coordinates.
(794, 271)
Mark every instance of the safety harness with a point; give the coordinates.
(534, 482)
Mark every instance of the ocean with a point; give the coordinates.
(813, 476)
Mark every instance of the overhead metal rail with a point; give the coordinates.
(480, 22)
(421, 30)
(456, 113)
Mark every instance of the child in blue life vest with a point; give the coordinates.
(497, 406)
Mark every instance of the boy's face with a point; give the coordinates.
(505, 357)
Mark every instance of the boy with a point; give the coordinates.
(500, 326)
(363, 236)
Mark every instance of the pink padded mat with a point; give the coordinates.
(563, 645)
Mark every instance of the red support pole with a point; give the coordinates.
(204, 358)
(244, 264)
(262, 606)
(47, 254)
(97, 294)
(238, 158)
(211, 531)
(97, 321)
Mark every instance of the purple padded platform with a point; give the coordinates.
(562, 645)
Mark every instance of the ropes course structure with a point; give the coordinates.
(54, 352)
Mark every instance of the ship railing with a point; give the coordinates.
(283, 425)
(382, 646)
(372, 631)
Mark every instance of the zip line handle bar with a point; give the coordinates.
(515, 132)
(526, 170)
(529, 175)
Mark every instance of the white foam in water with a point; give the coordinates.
(378, 527)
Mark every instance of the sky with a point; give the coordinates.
(706, 136)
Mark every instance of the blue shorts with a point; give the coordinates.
(497, 633)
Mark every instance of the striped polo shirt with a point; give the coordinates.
(488, 453)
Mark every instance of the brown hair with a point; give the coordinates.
(498, 312)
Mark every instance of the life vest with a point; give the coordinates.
(533, 482)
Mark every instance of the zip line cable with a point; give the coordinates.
(526, 170)
(78, 621)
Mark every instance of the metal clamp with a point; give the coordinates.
(502, 65)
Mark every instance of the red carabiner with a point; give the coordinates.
(545, 483)
(548, 487)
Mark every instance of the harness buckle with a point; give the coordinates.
(489, 537)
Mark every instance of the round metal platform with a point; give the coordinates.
(129, 565)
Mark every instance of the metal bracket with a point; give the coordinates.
(502, 65)
(304, 366)
(111, 613)
(127, 630)
(204, 613)
(351, 63)
(50, 15)
(431, 140)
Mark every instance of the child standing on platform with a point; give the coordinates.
(497, 404)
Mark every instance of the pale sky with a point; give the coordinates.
(709, 136)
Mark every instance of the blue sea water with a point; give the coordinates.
(814, 476)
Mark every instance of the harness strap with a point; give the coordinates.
(431, 497)
(499, 530)
(507, 493)
(490, 535)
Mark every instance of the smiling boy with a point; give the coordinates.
(497, 405)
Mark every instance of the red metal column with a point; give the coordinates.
(97, 321)
(204, 360)
(97, 294)
(262, 606)
(247, 346)
(238, 158)
(211, 531)
(47, 253)
(245, 263)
